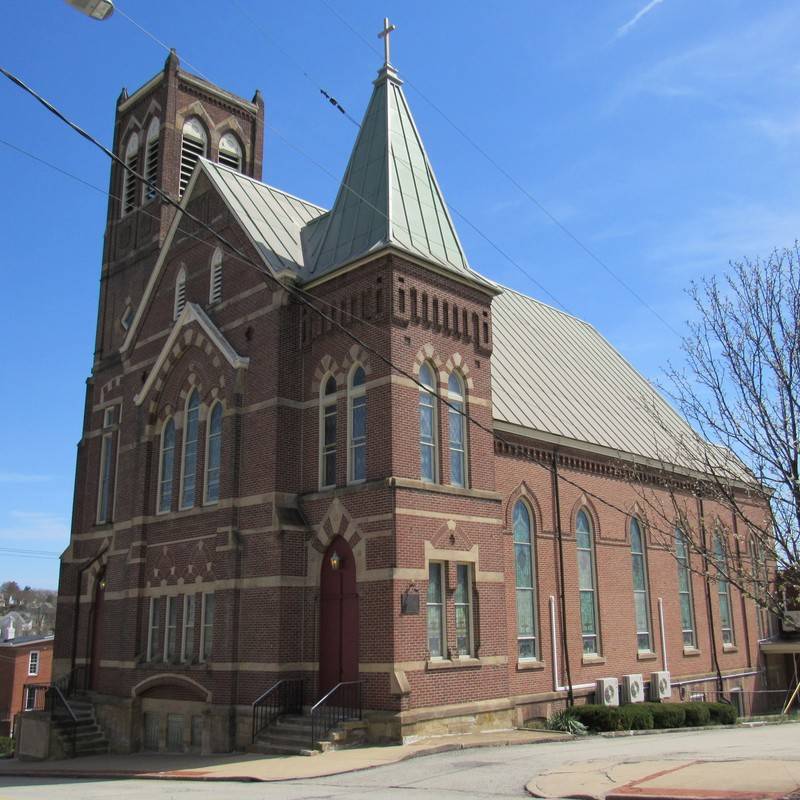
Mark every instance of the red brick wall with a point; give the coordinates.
(14, 663)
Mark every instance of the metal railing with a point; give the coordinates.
(74, 681)
(341, 703)
(62, 715)
(285, 697)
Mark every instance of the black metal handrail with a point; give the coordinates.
(341, 703)
(62, 715)
(285, 697)
(74, 681)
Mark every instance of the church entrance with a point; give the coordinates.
(338, 617)
(97, 628)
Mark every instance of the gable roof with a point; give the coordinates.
(556, 376)
(389, 195)
(191, 313)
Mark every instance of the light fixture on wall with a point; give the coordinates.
(336, 561)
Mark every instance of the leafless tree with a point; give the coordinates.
(740, 391)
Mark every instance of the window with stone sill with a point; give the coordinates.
(428, 426)
(357, 426)
(584, 536)
(641, 592)
(525, 571)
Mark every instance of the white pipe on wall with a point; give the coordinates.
(554, 639)
(663, 636)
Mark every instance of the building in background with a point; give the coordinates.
(447, 541)
(26, 663)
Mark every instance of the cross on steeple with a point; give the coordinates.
(384, 34)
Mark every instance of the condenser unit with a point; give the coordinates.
(632, 689)
(607, 691)
(660, 686)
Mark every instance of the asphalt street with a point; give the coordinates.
(477, 773)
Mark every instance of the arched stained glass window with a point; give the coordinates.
(427, 424)
(190, 435)
(586, 583)
(525, 561)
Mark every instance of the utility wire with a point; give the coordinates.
(333, 101)
(503, 171)
(303, 298)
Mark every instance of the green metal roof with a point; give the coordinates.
(388, 196)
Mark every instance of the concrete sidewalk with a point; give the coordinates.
(747, 779)
(240, 767)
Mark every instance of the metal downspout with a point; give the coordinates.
(561, 591)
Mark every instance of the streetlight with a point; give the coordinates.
(96, 9)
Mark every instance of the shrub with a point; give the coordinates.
(636, 717)
(697, 714)
(667, 715)
(598, 718)
(564, 720)
(6, 744)
(722, 713)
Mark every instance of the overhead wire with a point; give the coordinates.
(304, 299)
(516, 183)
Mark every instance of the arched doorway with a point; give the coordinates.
(97, 629)
(338, 617)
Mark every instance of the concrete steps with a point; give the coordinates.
(291, 735)
(90, 740)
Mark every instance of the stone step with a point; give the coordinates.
(277, 738)
(277, 750)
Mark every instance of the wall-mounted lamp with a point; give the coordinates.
(336, 561)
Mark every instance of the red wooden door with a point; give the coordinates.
(97, 630)
(338, 617)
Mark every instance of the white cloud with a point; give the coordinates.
(21, 477)
(628, 26)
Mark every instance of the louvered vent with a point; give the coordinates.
(129, 190)
(230, 152)
(193, 147)
(151, 168)
(215, 292)
(180, 293)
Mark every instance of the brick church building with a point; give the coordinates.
(416, 493)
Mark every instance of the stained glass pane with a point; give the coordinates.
(426, 461)
(462, 584)
(587, 613)
(434, 583)
(462, 630)
(522, 557)
(638, 573)
(687, 622)
(526, 648)
(522, 523)
(640, 605)
(643, 641)
(435, 631)
(589, 644)
(585, 572)
(359, 463)
(683, 578)
(359, 418)
(457, 467)
(426, 423)
(636, 537)
(525, 622)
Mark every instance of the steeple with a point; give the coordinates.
(389, 194)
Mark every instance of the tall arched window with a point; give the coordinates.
(457, 428)
(215, 284)
(230, 152)
(151, 149)
(166, 466)
(357, 433)
(327, 438)
(180, 293)
(525, 560)
(189, 464)
(685, 588)
(586, 583)
(129, 180)
(641, 594)
(213, 453)
(427, 424)
(723, 590)
(194, 143)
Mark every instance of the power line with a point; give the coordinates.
(503, 171)
(303, 298)
(333, 101)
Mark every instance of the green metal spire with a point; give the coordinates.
(389, 195)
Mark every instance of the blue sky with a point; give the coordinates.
(664, 135)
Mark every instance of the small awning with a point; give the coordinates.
(780, 646)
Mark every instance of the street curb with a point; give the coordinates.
(176, 775)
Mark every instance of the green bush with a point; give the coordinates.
(636, 717)
(6, 744)
(722, 713)
(667, 715)
(697, 714)
(564, 720)
(598, 718)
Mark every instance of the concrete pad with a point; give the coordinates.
(254, 767)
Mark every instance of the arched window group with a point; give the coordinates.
(189, 457)
(429, 427)
(356, 428)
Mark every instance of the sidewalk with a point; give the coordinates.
(241, 767)
(748, 779)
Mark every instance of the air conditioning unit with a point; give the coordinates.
(660, 686)
(607, 692)
(632, 689)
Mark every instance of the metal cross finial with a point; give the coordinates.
(384, 34)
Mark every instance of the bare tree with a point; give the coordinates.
(740, 391)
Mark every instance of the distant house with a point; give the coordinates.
(13, 625)
(25, 662)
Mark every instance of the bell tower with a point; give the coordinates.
(161, 130)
